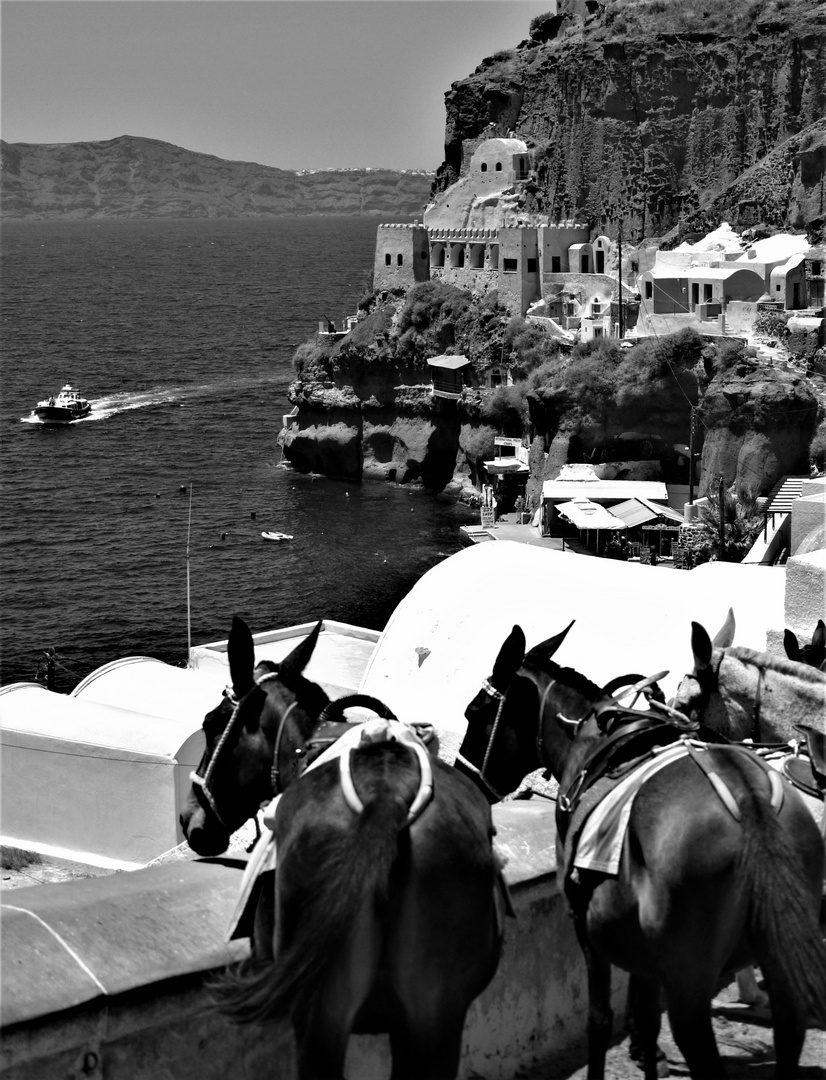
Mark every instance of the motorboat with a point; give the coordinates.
(63, 408)
(277, 536)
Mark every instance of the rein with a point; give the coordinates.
(203, 783)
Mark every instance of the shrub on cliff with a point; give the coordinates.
(507, 409)
(311, 359)
(817, 450)
(527, 346)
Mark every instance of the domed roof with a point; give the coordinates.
(508, 146)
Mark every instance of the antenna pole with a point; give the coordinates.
(188, 605)
(619, 276)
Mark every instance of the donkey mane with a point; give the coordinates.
(569, 677)
(775, 663)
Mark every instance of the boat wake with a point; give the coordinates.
(106, 407)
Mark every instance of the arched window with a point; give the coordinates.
(400, 260)
(457, 255)
(477, 256)
(498, 166)
(437, 257)
(484, 166)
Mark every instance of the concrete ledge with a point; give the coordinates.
(105, 977)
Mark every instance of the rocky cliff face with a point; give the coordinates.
(660, 115)
(144, 178)
(758, 424)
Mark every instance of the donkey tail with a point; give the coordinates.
(783, 916)
(346, 874)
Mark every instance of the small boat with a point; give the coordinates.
(63, 408)
(277, 536)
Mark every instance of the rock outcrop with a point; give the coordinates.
(144, 178)
(758, 423)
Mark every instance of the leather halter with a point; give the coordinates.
(706, 690)
(203, 783)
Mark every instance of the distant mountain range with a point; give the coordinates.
(131, 177)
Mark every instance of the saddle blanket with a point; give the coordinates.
(263, 856)
(600, 842)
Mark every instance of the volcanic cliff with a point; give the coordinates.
(661, 115)
(665, 118)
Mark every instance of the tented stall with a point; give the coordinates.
(586, 516)
(92, 782)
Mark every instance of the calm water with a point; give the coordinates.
(181, 334)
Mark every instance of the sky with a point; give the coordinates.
(297, 84)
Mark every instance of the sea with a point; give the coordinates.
(137, 530)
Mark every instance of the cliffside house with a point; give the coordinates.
(719, 287)
(477, 236)
(448, 375)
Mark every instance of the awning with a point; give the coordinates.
(452, 363)
(508, 465)
(634, 511)
(585, 514)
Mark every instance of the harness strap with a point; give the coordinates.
(716, 781)
(421, 799)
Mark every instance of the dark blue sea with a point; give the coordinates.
(181, 333)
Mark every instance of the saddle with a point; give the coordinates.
(808, 772)
(329, 729)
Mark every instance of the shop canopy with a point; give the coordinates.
(636, 511)
(585, 514)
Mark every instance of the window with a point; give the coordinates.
(531, 266)
(484, 166)
(596, 308)
(509, 266)
(498, 166)
(816, 269)
(400, 260)
(649, 289)
(387, 260)
(597, 331)
(778, 288)
(423, 253)
(556, 264)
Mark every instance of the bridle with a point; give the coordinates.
(602, 710)
(711, 680)
(501, 697)
(203, 784)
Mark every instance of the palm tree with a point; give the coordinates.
(742, 523)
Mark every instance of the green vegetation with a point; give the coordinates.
(13, 858)
(742, 523)
(817, 451)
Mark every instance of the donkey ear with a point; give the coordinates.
(790, 644)
(292, 665)
(725, 635)
(510, 655)
(241, 653)
(819, 636)
(548, 648)
(701, 646)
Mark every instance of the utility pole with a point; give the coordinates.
(691, 455)
(619, 275)
(721, 496)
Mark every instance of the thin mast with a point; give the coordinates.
(188, 606)
(619, 275)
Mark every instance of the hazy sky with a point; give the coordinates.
(292, 83)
